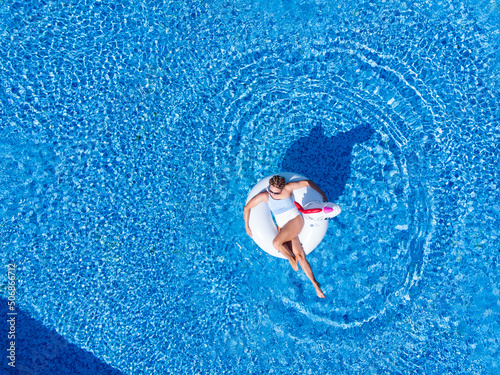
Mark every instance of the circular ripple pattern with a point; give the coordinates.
(357, 118)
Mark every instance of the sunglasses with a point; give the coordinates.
(273, 192)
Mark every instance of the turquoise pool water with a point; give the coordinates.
(132, 132)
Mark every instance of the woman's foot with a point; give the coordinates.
(319, 292)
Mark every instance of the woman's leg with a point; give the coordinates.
(298, 251)
(289, 231)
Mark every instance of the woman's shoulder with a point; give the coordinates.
(264, 195)
(288, 189)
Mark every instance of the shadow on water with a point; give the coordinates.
(325, 160)
(42, 351)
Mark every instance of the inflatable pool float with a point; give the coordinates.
(308, 201)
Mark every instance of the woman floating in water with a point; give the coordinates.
(290, 222)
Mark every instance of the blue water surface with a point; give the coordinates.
(132, 132)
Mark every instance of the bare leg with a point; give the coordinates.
(289, 255)
(306, 267)
(289, 231)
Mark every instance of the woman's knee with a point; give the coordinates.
(277, 243)
(298, 251)
(300, 256)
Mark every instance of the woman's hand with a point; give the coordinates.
(249, 231)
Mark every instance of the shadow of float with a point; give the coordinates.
(325, 160)
(42, 351)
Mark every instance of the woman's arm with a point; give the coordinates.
(306, 183)
(255, 201)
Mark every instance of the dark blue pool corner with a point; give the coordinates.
(42, 351)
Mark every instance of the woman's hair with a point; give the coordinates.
(277, 181)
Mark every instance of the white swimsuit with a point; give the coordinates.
(283, 210)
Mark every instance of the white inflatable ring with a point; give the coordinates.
(262, 224)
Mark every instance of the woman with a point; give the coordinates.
(279, 197)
